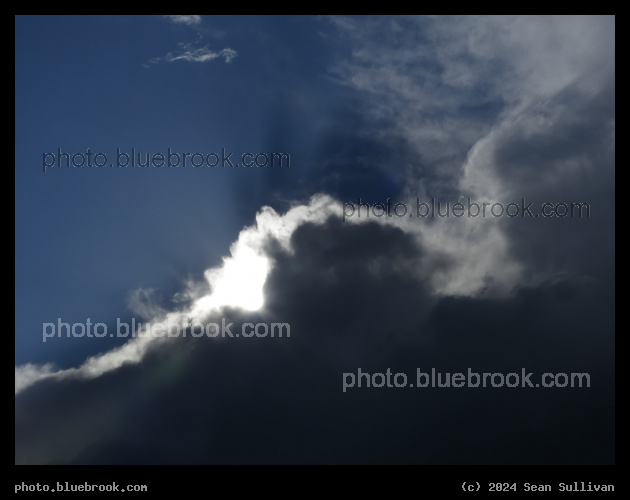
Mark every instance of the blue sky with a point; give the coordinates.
(482, 108)
(82, 82)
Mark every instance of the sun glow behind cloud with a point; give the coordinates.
(238, 283)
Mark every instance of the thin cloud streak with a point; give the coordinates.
(200, 55)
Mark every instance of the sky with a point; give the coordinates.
(505, 114)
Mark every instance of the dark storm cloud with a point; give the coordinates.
(352, 300)
(562, 152)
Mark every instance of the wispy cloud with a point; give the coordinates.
(203, 54)
(189, 20)
(192, 54)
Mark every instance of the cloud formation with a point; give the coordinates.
(266, 400)
(491, 108)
